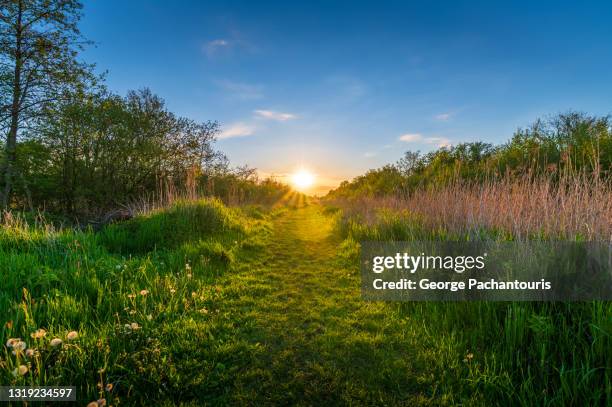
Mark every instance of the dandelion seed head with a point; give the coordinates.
(55, 342)
(72, 335)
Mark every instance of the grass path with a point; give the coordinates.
(305, 334)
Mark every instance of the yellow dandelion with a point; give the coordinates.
(194, 294)
(39, 333)
(189, 275)
(55, 342)
(144, 292)
(172, 291)
(149, 317)
(134, 326)
(204, 311)
(131, 296)
(72, 335)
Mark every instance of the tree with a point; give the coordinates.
(39, 42)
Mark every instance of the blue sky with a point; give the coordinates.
(341, 87)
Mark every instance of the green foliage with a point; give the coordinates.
(566, 144)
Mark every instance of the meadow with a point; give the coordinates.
(199, 303)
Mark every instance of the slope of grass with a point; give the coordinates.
(132, 294)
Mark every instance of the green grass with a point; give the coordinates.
(262, 307)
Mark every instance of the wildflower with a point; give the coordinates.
(93, 404)
(149, 317)
(30, 353)
(55, 342)
(72, 335)
(204, 311)
(189, 275)
(131, 295)
(101, 402)
(469, 356)
(132, 312)
(20, 371)
(109, 387)
(172, 291)
(144, 292)
(134, 326)
(39, 333)
(19, 347)
(12, 341)
(187, 266)
(194, 294)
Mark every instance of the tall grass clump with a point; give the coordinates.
(502, 353)
(579, 207)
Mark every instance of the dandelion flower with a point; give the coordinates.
(109, 387)
(31, 353)
(101, 402)
(131, 295)
(19, 347)
(72, 335)
(189, 275)
(204, 311)
(144, 292)
(12, 341)
(149, 317)
(39, 333)
(20, 371)
(134, 326)
(55, 342)
(93, 404)
(172, 291)
(187, 266)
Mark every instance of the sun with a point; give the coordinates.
(302, 179)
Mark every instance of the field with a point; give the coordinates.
(204, 304)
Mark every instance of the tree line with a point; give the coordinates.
(74, 147)
(559, 148)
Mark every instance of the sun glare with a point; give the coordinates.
(302, 179)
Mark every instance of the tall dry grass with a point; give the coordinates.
(576, 207)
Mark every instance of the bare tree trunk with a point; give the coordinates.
(11, 138)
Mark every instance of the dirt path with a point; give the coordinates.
(313, 340)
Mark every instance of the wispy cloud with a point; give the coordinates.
(213, 47)
(418, 138)
(438, 141)
(237, 130)
(370, 154)
(240, 90)
(273, 115)
(411, 138)
(443, 117)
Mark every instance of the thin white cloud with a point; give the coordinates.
(370, 154)
(241, 90)
(443, 117)
(237, 130)
(411, 138)
(211, 48)
(418, 138)
(272, 115)
(438, 141)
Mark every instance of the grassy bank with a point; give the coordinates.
(497, 352)
(134, 297)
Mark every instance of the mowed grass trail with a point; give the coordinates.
(312, 339)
